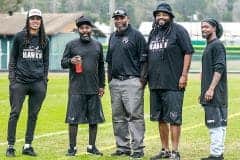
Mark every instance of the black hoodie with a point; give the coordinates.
(30, 63)
(93, 77)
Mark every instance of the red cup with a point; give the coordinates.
(79, 68)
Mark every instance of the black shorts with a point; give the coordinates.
(84, 109)
(215, 116)
(166, 106)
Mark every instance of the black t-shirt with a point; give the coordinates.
(28, 63)
(126, 52)
(92, 78)
(166, 50)
(214, 60)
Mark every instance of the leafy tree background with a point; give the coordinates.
(139, 10)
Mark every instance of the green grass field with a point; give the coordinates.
(51, 137)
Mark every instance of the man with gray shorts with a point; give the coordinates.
(125, 57)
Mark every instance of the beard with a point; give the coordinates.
(85, 38)
(162, 24)
(206, 36)
(121, 30)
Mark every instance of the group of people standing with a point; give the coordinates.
(163, 62)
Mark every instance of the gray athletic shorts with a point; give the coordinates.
(166, 106)
(215, 116)
(84, 109)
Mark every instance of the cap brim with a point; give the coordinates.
(165, 11)
(35, 15)
(121, 15)
(85, 22)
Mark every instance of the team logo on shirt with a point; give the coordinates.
(125, 40)
(158, 44)
(32, 53)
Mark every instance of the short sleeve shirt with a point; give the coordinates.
(166, 50)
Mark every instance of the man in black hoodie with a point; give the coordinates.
(169, 58)
(84, 58)
(28, 71)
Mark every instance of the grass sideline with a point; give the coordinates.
(51, 138)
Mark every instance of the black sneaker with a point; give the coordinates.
(121, 153)
(175, 155)
(10, 152)
(29, 151)
(162, 154)
(137, 155)
(71, 152)
(94, 150)
(213, 158)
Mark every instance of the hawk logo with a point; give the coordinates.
(125, 40)
(173, 115)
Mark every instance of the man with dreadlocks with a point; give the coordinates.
(28, 72)
(86, 85)
(169, 59)
(214, 97)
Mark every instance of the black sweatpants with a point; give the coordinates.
(18, 91)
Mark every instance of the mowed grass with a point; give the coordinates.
(51, 136)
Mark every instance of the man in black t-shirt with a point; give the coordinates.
(28, 72)
(125, 57)
(84, 58)
(214, 97)
(169, 58)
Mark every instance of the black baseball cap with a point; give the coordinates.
(120, 12)
(83, 20)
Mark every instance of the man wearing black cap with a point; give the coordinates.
(28, 72)
(125, 57)
(214, 97)
(84, 58)
(169, 59)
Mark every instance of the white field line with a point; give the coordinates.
(53, 134)
(183, 129)
(109, 124)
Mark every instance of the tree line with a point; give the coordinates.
(139, 10)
